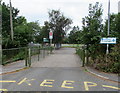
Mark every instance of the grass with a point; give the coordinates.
(71, 45)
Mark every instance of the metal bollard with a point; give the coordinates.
(39, 53)
(29, 58)
(83, 58)
(43, 52)
(26, 57)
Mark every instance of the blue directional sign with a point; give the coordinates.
(109, 40)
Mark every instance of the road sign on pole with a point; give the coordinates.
(107, 50)
(109, 40)
(50, 35)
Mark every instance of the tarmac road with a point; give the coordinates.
(61, 71)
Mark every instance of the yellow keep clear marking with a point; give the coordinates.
(8, 81)
(3, 90)
(89, 84)
(25, 80)
(47, 83)
(111, 87)
(67, 82)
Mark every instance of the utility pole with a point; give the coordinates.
(108, 33)
(119, 7)
(11, 22)
(0, 33)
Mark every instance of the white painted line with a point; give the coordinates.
(98, 75)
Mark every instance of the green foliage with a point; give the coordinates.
(80, 52)
(50, 49)
(12, 55)
(43, 33)
(93, 30)
(59, 24)
(6, 25)
(114, 26)
(19, 56)
(24, 32)
(92, 25)
(75, 36)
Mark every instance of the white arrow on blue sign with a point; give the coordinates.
(109, 40)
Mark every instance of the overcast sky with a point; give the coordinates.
(35, 10)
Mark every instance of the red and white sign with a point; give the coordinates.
(50, 35)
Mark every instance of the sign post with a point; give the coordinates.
(107, 50)
(50, 37)
(0, 47)
(109, 40)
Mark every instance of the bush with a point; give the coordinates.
(19, 56)
(108, 63)
(11, 55)
(80, 52)
(101, 61)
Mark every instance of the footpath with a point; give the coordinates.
(12, 67)
(64, 57)
(50, 61)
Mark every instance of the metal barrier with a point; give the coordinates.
(12, 55)
(38, 54)
(83, 53)
(26, 55)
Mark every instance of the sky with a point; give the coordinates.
(37, 10)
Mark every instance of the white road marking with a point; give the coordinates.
(99, 75)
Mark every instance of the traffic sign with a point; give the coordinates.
(109, 40)
(50, 35)
(45, 40)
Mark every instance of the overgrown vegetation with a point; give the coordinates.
(12, 55)
(93, 30)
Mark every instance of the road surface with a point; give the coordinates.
(60, 71)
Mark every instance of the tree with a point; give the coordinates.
(92, 24)
(75, 36)
(44, 32)
(7, 43)
(114, 26)
(93, 29)
(59, 24)
(34, 31)
(24, 32)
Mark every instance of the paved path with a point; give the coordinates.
(12, 66)
(61, 71)
(65, 57)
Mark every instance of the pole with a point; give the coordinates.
(50, 42)
(0, 33)
(11, 22)
(107, 51)
(29, 60)
(50, 37)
